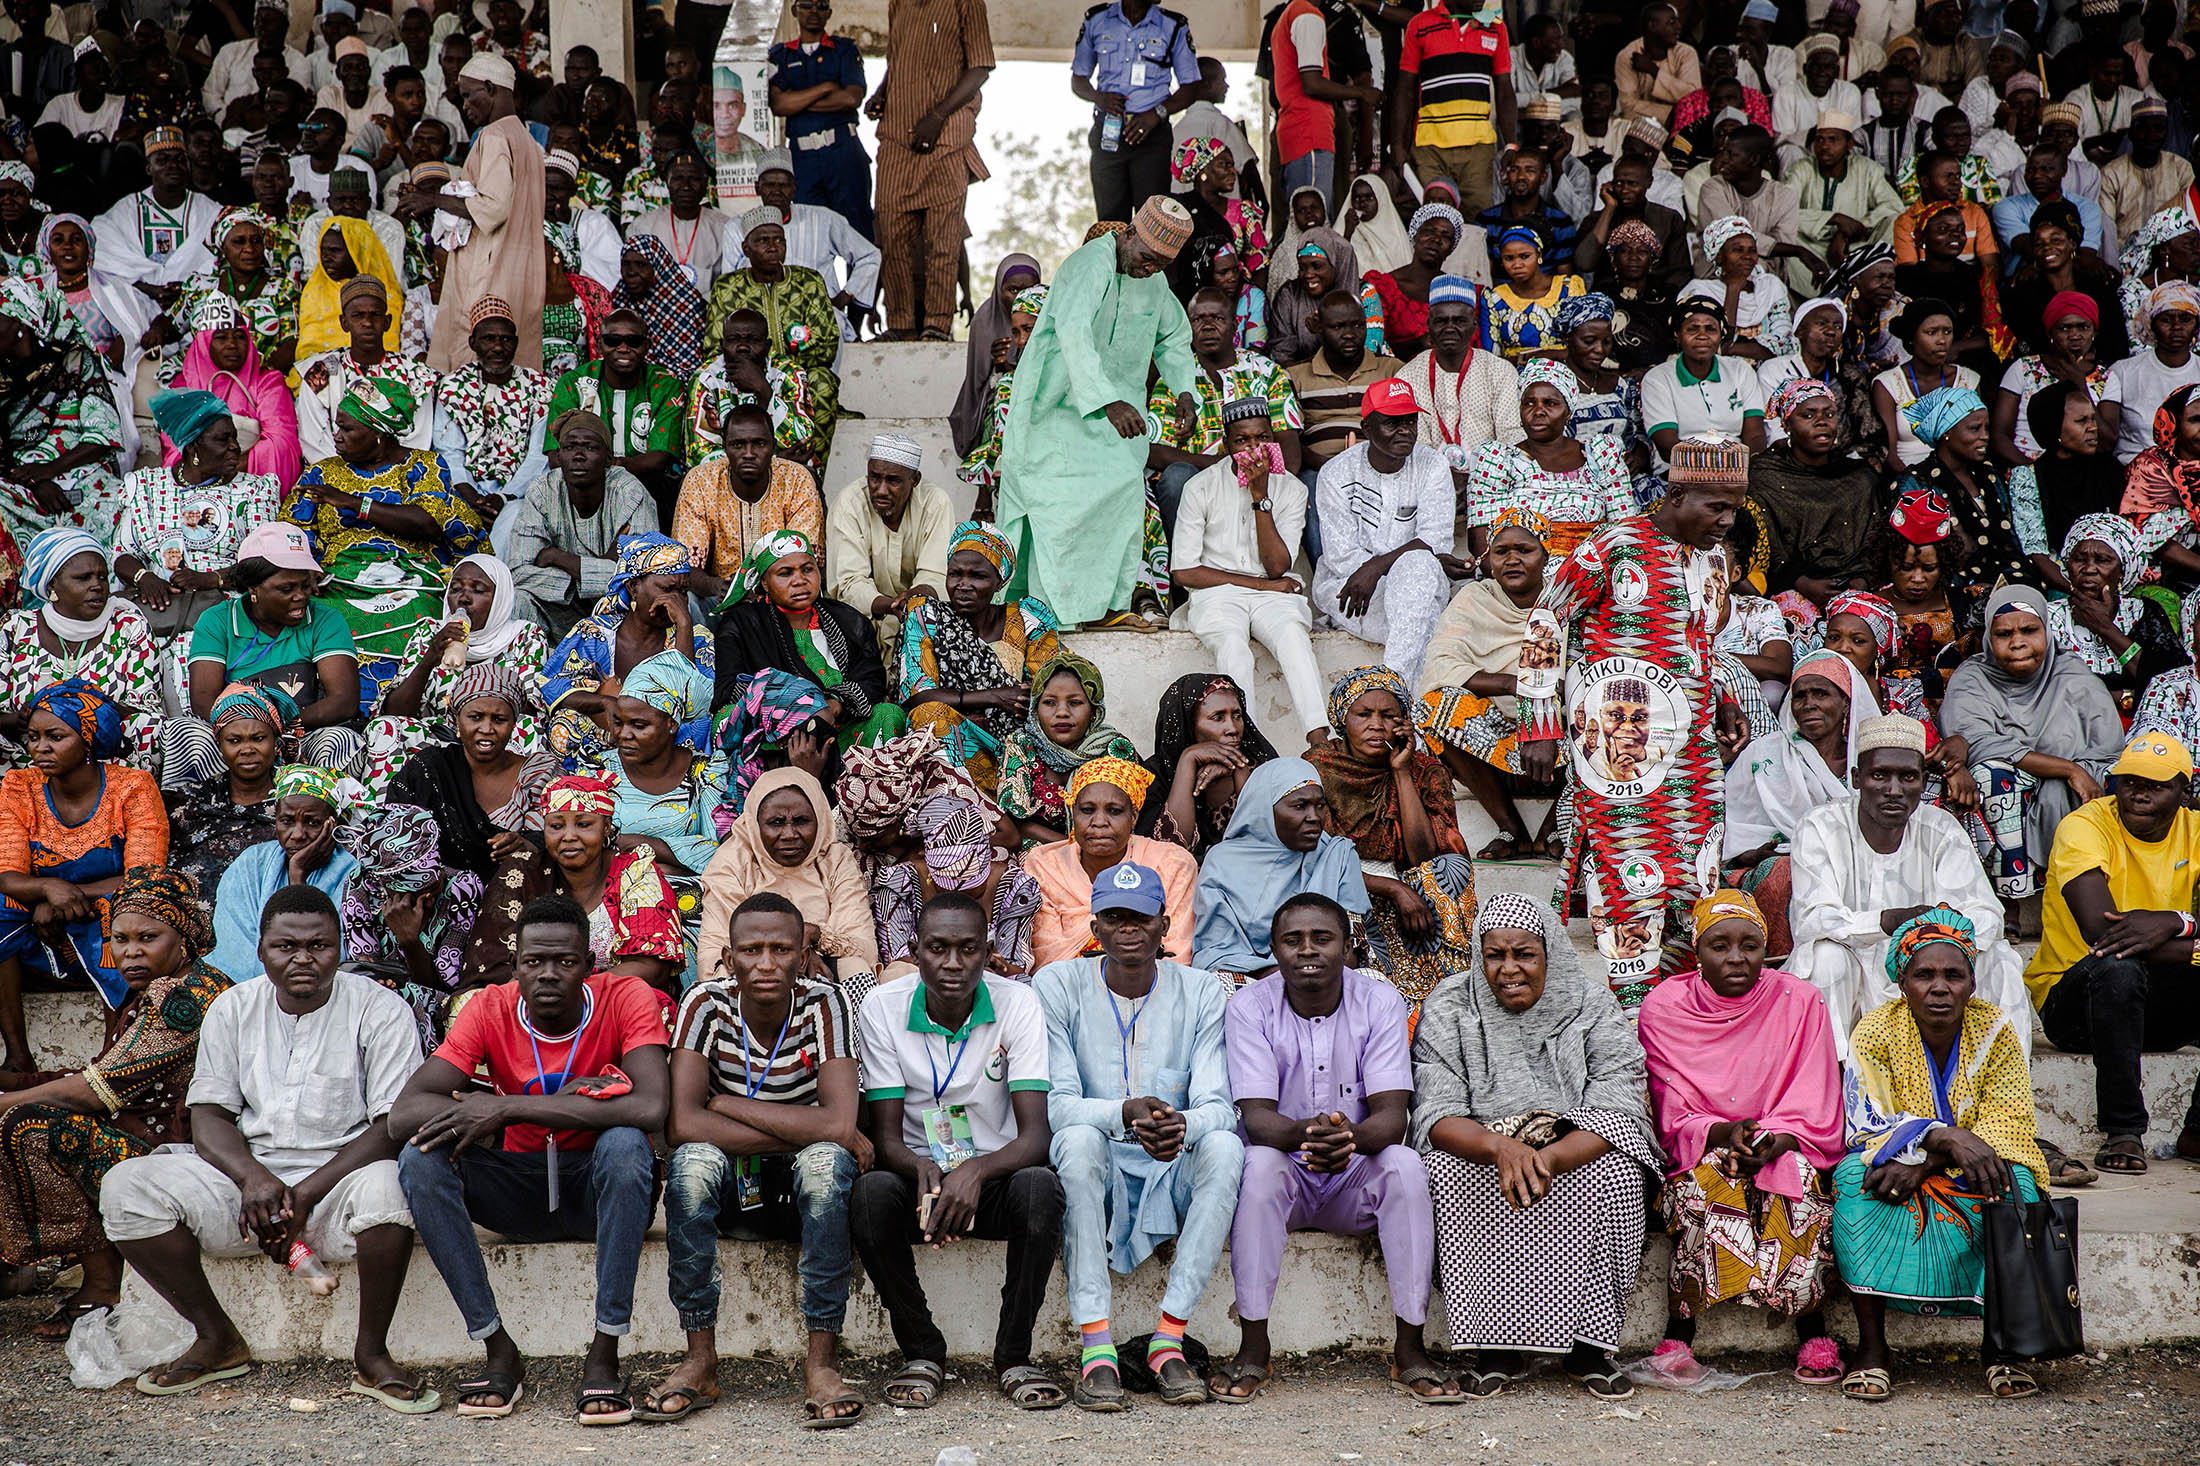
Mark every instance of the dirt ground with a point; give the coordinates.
(2129, 1408)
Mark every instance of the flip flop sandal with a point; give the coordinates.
(2066, 1170)
(1606, 1383)
(1484, 1384)
(652, 1409)
(2007, 1382)
(490, 1382)
(1872, 1386)
(920, 1380)
(56, 1326)
(422, 1400)
(1234, 1374)
(1506, 849)
(615, 1395)
(815, 1418)
(1104, 1398)
(1029, 1387)
(2122, 1155)
(204, 1377)
(1429, 1374)
(1818, 1361)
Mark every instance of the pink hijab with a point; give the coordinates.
(1765, 1056)
(252, 391)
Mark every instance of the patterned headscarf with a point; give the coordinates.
(1721, 232)
(340, 792)
(976, 534)
(1029, 300)
(1874, 612)
(770, 705)
(2160, 229)
(958, 841)
(398, 853)
(1637, 234)
(587, 793)
(2173, 295)
(668, 682)
(50, 549)
(674, 311)
(380, 403)
(1940, 924)
(491, 679)
(644, 554)
(769, 551)
(1359, 682)
(1577, 311)
(1796, 391)
(1555, 375)
(2165, 420)
(878, 786)
(170, 897)
(1446, 212)
(1727, 904)
(1513, 911)
(1526, 234)
(1131, 778)
(1921, 516)
(1193, 154)
(2122, 539)
(233, 218)
(1932, 415)
(1515, 516)
(269, 705)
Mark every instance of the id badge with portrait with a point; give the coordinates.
(749, 1174)
(947, 1136)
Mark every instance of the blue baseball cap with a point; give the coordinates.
(1128, 887)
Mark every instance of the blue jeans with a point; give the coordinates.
(1318, 168)
(605, 1196)
(805, 1200)
(1201, 1186)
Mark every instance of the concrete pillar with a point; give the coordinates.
(607, 25)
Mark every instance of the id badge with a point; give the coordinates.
(751, 1177)
(1138, 72)
(947, 1136)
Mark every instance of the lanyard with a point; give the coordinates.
(750, 1077)
(939, 1085)
(1127, 1032)
(1458, 390)
(542, 1078)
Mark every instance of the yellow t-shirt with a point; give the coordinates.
(2141, 877)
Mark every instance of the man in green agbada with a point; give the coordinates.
(1073, 453)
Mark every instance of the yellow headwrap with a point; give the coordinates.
(1727, 904)
(320, 305)
(1132, 779)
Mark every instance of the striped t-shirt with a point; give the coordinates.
(818, 1031)
(1458, 64)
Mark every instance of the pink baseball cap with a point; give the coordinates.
(1390, 397)
(284, 546)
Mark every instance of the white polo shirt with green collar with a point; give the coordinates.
(1000, 1049)
(1720, 402)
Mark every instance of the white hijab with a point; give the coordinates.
(1780, 778)
(1380, 242)
(484, 642)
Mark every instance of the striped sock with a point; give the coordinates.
(1099, 1348)
(1167, 1342)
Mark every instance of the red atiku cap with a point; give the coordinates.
(1390, 397)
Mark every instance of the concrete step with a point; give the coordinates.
(852, 445)
(901, 378)
(2140, 1270)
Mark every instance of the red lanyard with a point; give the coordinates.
(1458, 388)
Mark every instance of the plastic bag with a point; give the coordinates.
(110, 1345)
(1702, 1381)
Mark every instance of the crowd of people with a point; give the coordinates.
(425, 641)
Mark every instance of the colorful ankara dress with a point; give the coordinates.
(400, 854)
(120, 661)
(383, 585)
(1926, 1254)
(802, 405)
(497, 426)
(940, 650)
(52, 1160)
(588, 657)
(1617, 660)
(55, 400)
(1035, 770)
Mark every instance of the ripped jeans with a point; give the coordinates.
(804, 1199)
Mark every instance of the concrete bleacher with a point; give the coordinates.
(2140, 1238)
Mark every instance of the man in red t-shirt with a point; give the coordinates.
(1307, 98)
(1455, 98)
(557, 1151)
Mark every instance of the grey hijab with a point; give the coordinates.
(1574, 1053)
(2062, 710)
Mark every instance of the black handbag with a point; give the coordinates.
(2032, 1307)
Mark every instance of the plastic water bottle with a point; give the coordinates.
(307, 1269)
(956, 1456)
(1111, 139)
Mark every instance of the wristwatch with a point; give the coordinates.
(1263, 506)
